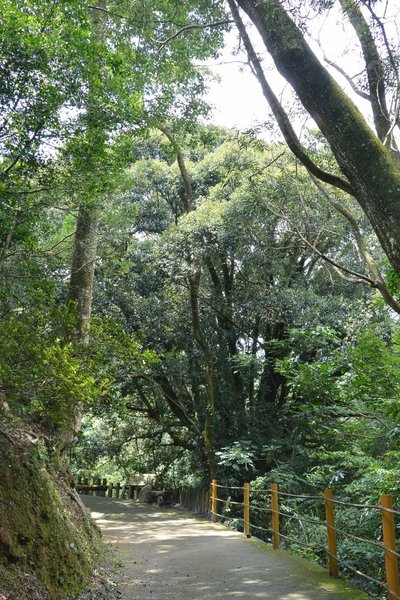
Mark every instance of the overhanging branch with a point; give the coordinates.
(282, 119)
(192, 26)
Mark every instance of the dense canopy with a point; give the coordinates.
(189, 300)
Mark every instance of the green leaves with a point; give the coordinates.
(374, 377)
(393, 281)
(40, 374)
(240, 455)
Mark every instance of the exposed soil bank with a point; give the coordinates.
(48, 546)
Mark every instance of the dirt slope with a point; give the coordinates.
(48, 546)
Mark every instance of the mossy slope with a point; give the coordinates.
(46, 541)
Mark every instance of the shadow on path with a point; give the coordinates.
(168, 555)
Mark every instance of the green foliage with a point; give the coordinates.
(78, 86)
(41, 374)
(365, 373)
(240, 455)
(393, 281)
(278, 330)
(374, 377)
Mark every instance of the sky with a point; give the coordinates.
(235, 94)
(237, 97)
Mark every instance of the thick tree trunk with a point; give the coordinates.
(80, 291)
(372, 170)
(222, 280)
(85, 243)
(82, 271)
(208, 431)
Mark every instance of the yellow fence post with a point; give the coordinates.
(246, 510)
(389, 541)
(214, 500)
(275, 515)
(331, 533)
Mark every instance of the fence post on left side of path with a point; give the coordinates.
(331, 533)
(214, 500)
(246, 509)
(389, 541)
(117, 489)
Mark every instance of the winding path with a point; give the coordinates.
(168, 555)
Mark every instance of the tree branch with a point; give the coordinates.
(342, 72)
(283, 121)
(374, 68)
(109, 12)
(192, 26)
(360, 277)
(27, 144)
(9, 236)
(368, 259)
(188, 196)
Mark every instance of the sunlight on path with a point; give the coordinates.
(169, 556)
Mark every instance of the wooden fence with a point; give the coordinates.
(101, 487)
(274, 512)
(129, 491)
(194, 499)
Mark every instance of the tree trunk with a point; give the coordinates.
(194, 283)
(82, 271)
(80, 292)
(208, 431)
(372, 170)
(374, 67)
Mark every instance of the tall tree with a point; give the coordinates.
(371, 168)
(80, 292)
(71, 107)
(214, 291)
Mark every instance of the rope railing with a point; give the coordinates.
(300, 543)
(301, 496)
(369, 506)
(357, 505)
(381, 584)
(261, 491)
(261, 528)
(224, 517)
(276, 513)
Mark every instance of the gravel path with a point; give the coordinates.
(168, 555)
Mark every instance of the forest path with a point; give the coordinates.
(168, 555)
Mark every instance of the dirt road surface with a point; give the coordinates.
(168, 555)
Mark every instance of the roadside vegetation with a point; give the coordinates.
(183, 299)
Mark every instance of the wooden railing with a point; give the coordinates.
(197, 500)
(274, 512)
(102, 487)
(129, 491)
(243, 504)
